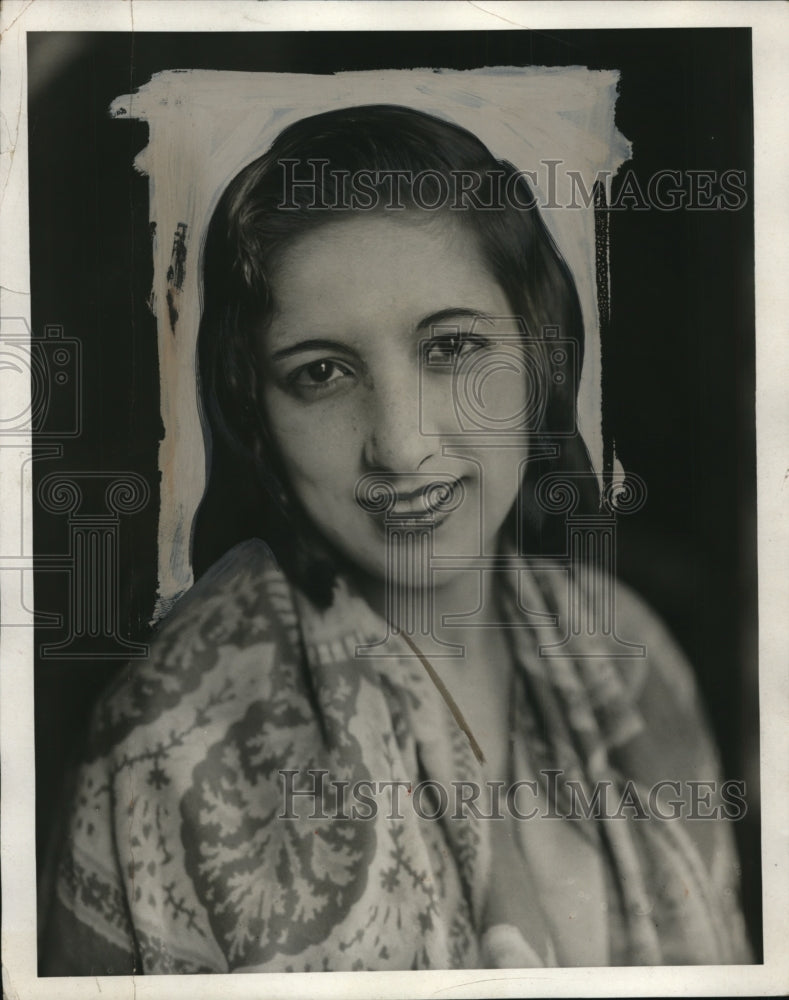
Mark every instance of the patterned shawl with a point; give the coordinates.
(178, 859)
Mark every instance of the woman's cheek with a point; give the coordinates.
(320, 466)
(302, 437)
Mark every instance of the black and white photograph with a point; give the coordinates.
(392, 528)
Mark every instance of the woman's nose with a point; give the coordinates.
(402, 432)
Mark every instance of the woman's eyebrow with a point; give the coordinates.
(434, 319)
(308, 345)
(453, 311)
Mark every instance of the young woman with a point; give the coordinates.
(353, 745)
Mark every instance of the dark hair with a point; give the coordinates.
(248, 231)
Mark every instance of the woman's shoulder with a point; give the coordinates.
(638, 623)
(663, 689)
(217, 641)
(667, 688)
(604, 618)
(224, 595)
(177, 762)
(629, 660)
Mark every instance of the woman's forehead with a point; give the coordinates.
(375, 263)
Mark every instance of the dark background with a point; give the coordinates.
(679, 354)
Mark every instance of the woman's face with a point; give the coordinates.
(393, 351)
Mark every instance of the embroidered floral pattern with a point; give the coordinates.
(271, 885)
(177, 847)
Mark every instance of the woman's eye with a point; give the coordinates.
(319, 375)
(449, 350)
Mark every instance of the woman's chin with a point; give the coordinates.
(407, 557)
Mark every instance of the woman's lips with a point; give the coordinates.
(429, 504)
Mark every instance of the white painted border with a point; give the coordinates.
(527, 116)
(770, 23)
